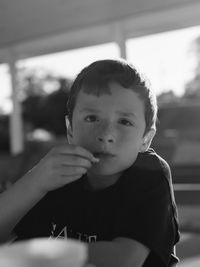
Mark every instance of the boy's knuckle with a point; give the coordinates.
(82, 162)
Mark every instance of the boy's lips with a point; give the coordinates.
(103, 154)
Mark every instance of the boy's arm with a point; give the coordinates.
(117, 253)
(14, 204)
(62, 165)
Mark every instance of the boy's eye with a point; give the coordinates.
(91, 118)
(126, 122)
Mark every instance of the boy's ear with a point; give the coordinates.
(147, 140)
(69, 130)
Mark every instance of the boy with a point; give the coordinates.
(106, 187)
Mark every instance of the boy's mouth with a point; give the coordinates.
(103, 155)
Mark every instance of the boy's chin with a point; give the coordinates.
(103, 171)
(109, 168)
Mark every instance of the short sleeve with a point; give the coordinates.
(146, 213)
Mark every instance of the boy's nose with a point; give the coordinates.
(105, 139)
(106, 136)
(106, 133)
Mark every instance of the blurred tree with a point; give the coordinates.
(166, 98)
(192, 88)
(54, 109)
(44, 99)
(36, 82)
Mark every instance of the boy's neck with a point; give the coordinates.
(99, 182)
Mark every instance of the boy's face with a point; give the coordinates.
(111, 126)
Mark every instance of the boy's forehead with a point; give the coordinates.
(87, 92)
(107, 88)
(116, 95)
(96, 89)
(87, 98)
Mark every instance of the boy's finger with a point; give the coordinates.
(77, 150)
(72, 170)
(66, 179)
(74, 160)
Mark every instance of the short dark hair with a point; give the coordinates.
(95, 79)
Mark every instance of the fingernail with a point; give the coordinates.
(95, 160)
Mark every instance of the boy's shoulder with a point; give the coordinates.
(151, 161)
(151, 169)
(150, 173)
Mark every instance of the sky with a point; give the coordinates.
(166, 59)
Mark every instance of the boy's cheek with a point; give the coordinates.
(84, 139)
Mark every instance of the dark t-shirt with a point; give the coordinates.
(140, 206)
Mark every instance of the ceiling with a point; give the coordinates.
(33, 27)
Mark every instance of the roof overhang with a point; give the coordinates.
(33, 28)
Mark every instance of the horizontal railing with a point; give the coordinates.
(186, 187)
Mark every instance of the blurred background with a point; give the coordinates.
(45, 43)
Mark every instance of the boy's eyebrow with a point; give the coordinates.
(121, 113)
(88, 110)
(126, 113)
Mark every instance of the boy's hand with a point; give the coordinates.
(62, 165)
